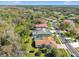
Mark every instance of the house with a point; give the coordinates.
(68, 21)
(41, 36)
(41, 26)
(46, 41)
(68, 24)
(72, 18)
(49, 19)
(41, 33)
(41, 29)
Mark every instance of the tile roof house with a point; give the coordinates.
(41, 29)
(69, 24)
(41, 36)
(46, 41)
(41, 26)
(68, 21)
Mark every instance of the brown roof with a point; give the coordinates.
(46, 40)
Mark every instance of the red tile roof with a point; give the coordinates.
(46, 40)
(41, 25)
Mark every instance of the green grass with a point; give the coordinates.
(77, 49)
(62, 53)
(58, 40)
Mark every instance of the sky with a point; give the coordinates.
(39, 2)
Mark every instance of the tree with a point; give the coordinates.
(49, 25)
(61, 17)
(52, 53)
(39, 53)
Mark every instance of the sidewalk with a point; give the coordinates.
(62, 46)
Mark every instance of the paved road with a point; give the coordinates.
(71, 49)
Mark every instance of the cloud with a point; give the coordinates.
(16, 2)
(67, 2)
